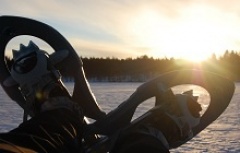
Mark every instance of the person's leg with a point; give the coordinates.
(140, 142)
(56, 130)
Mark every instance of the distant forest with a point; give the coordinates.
(144, 68)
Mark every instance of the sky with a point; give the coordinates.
(189, 29)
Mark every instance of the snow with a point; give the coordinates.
(223, 135)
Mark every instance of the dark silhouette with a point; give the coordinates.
(144, 68)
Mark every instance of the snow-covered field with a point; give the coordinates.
(223, 135)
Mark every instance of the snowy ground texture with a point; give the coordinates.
(221, 136)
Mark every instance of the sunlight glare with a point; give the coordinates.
(195, 34)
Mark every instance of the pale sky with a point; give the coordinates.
(192, 29)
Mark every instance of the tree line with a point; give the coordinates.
(144, 68)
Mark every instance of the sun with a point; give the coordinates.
(195, 58)
(194, 35)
